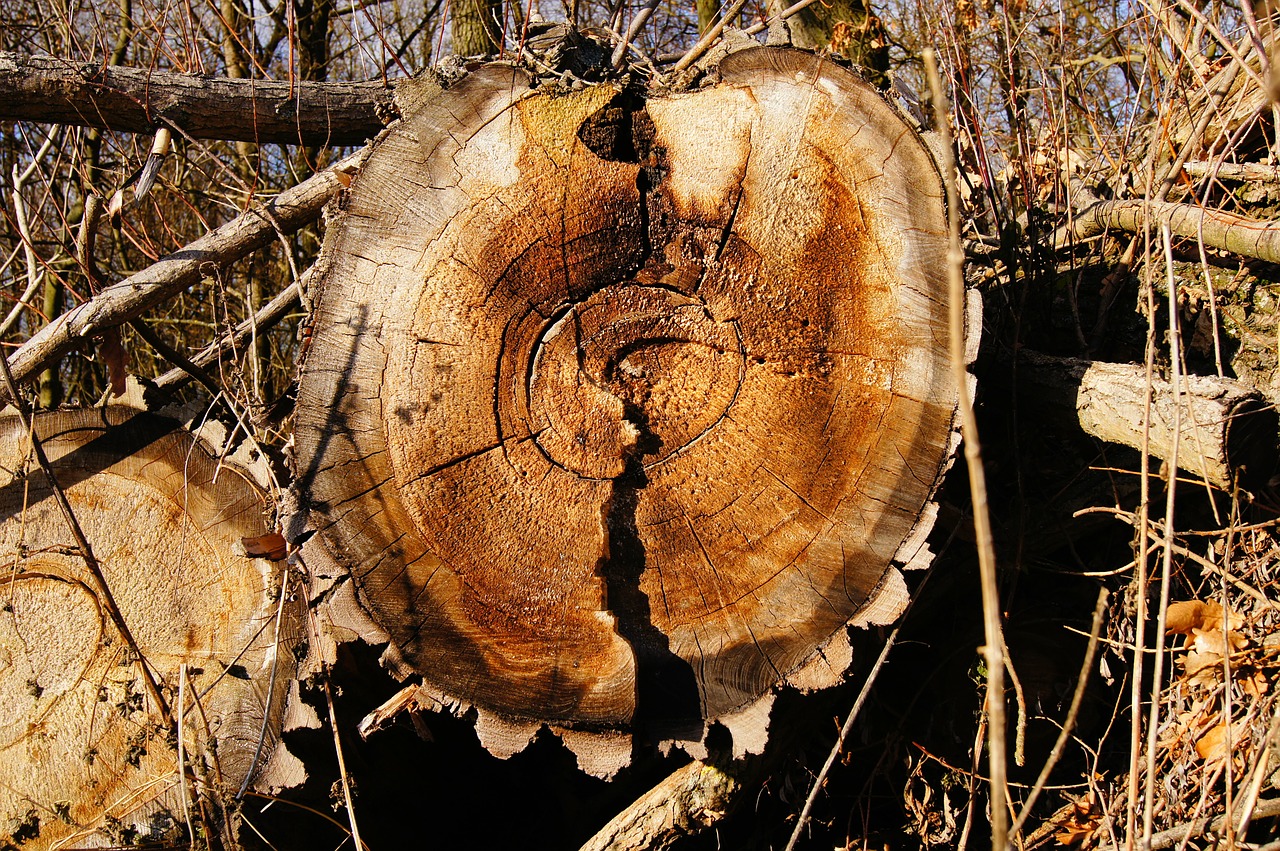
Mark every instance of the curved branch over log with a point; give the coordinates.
(134, 100)
(1221, 230)
(620, 406)
(129, 299)
(84, 757)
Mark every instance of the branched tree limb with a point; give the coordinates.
(134, 100)
(122, 302)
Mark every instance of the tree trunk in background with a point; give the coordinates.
(620, 409)
(849, 28)
(708, 10)
(476, 27)
(86, 757)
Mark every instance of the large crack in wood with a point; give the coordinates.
(668, 705)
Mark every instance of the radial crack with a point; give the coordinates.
(668, 704)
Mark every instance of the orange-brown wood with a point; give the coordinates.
(620, 405)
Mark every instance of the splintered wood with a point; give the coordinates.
(86, 757)
(621, 406)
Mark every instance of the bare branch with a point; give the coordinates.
(119, 303)
(56, 91)
(1218, 229)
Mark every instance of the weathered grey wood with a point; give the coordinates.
(137, 100)
(1215, 228)
(1226, 427)
(85, 757)
(685, 803)
(619, 410)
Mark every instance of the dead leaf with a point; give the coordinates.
(1188, 616)
(1254, 684)
(271, 546)
(1081, 824)
(1212, 746)
(112, 352)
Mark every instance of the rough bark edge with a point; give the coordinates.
(748, 726)
(50, 90)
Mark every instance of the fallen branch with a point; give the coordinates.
(1225, 427)
(1269, 808)
(1246, 172)
(135, 100)
(122, 302)
(1221, 230)
(268, 317)
(689, 800)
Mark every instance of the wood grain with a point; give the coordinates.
(84, 757)
(619, 405)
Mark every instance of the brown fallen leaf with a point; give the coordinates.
(270, 546)
(1188, 616)
(1212, 746)
(113, 355)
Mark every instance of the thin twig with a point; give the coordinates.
(710, 36)
(993, 649)
(1267, 808)
(1166, 565)
(173, 356)
(342, 764)
(267, 317)
(795, 9)
(637, 24)
(845, 729)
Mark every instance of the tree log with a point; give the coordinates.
(1227, 429)
(621, 406)
(84, 755)
(135, 100)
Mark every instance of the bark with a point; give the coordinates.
(620, 409)
(85, 758)
(688, 801)
(129, 299)
(1227, 429)
(1218, 229)
(133, 100)
(476, 27)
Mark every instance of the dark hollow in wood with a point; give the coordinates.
(619, 405)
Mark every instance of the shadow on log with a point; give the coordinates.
(621, 406)
(85, 756)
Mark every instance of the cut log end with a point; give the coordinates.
(620, 406)
(86, 756)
